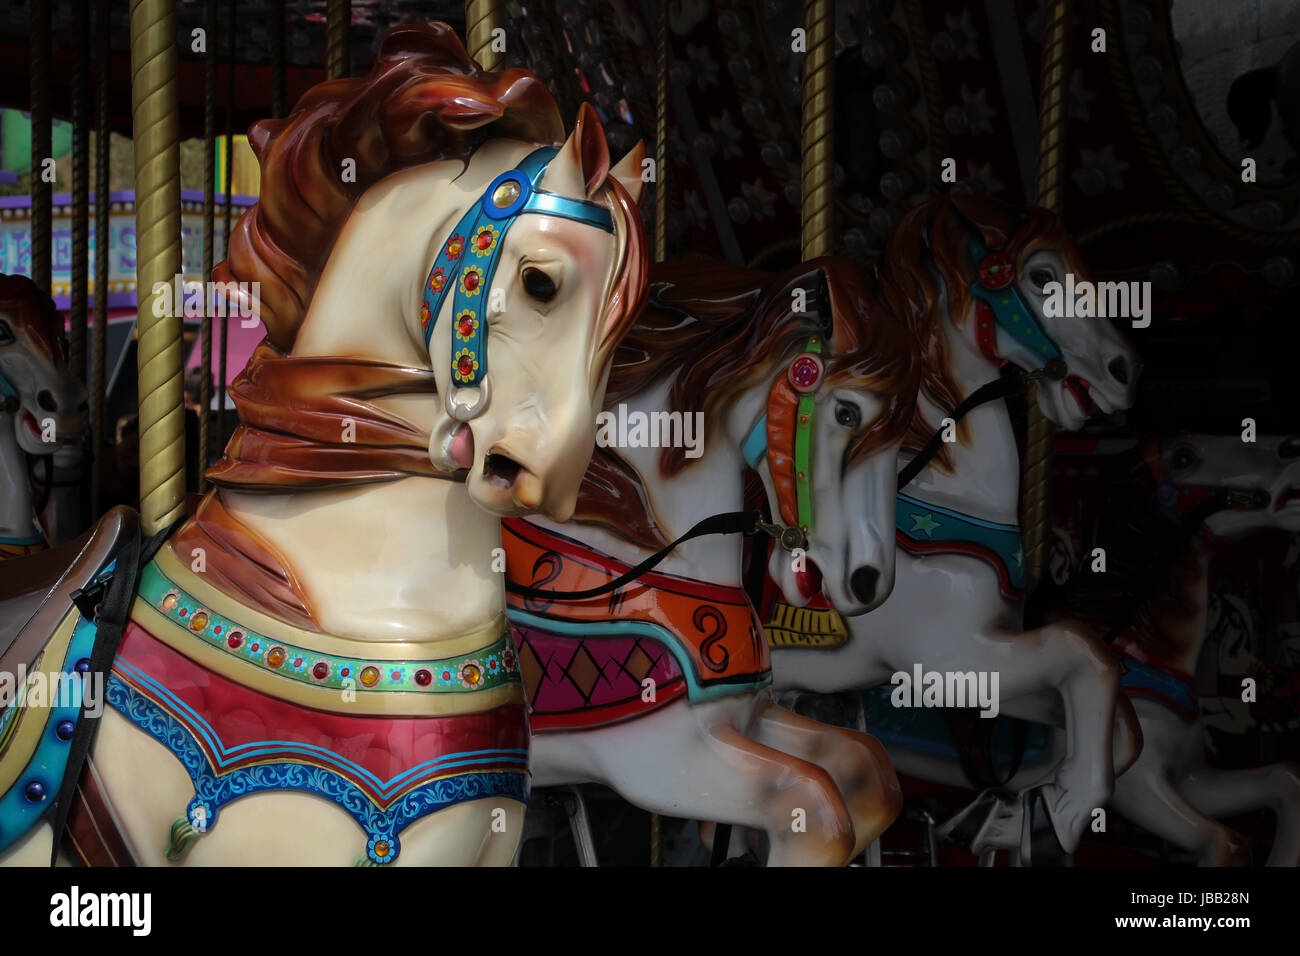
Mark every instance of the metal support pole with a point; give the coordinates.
(158, 259)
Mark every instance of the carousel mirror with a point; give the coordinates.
(1208, 86)
(1241, 65)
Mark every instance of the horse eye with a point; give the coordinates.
(6, 336)
(1040, 277)
(847, 415)
(538, 284)
(1184, 457)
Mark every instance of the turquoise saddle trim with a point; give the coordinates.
(925, 523)
(1144, 677)
(925, 729)
(34, 790)
(214, 787)
(696, 691)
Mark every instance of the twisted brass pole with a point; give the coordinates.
(99, 335)
(481, 18)
(661, 251)
(79, 286)
(42, 146)
(338, 23)
(158, 259)
(1035, 486)
(818, 173)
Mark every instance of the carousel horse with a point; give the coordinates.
(972, 272)
(42, 411)
(1183, 498)
(316, 667)
(659, 689)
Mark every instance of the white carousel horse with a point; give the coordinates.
(659, 690)
(42, 409)
(973, 272)
(1171, 791)
(322, 646)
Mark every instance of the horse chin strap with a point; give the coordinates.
(467, 263)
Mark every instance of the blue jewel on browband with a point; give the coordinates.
(468, 260)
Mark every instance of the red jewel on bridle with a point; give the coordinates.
(996, 271)
(805, 372)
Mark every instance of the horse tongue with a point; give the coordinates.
(809, 580)
(462, 447)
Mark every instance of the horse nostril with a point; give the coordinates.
(1118, 369)
(863, 584)
(45, 399)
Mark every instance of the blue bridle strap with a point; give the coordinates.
(755, 444)
(469, 257)
(1012, 313)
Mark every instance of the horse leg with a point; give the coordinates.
(1044, 708)
(1220, 793)
(1063, 656)
(856, 761)
(1146, 796)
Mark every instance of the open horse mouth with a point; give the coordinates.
(30, 421)
(1290, 496)
(809, 580)
(1081, 389)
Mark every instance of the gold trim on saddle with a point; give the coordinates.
(819, 628)
(24, 735)
(467, 674)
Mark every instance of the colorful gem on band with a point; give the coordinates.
(471, 280)
(466, 324)
(996, 271)
(485, 240)
(805, 372)
(466, 365)
(505, 194)
(455, 246)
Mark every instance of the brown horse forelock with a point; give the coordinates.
(424, 100)
(32, 314)
(927, 273)
(716, 330)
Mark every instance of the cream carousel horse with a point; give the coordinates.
(658, 689)
(42, 409)
(973, 272)
(1185, 496)
(317, 668)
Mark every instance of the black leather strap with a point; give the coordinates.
(1000, 387)
(114, 611)
(729, 522)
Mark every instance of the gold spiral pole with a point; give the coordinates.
(1035, 487)
(661, 250)
(158, 260)
(481, 18)
(819, 128)
(338, 26)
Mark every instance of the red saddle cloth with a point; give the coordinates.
(584, 663)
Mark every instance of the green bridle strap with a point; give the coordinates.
(803, 434)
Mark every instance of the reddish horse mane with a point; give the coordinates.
(928, 270)
(30, 307)
(715, 329)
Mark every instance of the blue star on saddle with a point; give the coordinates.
(924, 523)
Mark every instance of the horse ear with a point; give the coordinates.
(628, 172)
(581, 165)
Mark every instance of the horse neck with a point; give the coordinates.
(405, 559)
(15, 492)
(985, 478)
(1179, 616)
(711, 484)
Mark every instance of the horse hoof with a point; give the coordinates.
(965, 828)
(1039, 843)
